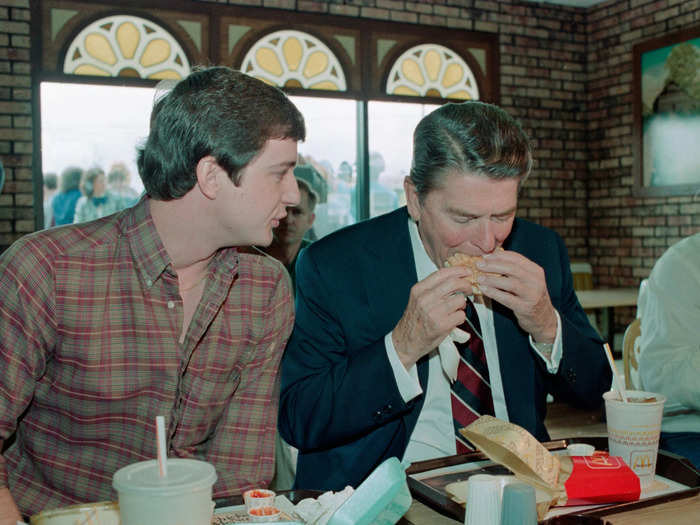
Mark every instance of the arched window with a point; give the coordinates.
(296, 59)
(432, 70)
(126, 46)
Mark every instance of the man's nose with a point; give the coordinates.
(486, 237)
(290, 195)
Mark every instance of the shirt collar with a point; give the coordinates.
(424, 264)
(148, 252)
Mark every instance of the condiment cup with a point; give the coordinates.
(256, 498)
(266, 513)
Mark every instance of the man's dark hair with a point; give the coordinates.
(471, 137)
(214, 111)
(87, 183)
(51, 181)
(70, 179)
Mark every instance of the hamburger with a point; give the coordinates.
(470, 261)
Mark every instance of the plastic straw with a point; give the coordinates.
(616, 377)
(162, 452)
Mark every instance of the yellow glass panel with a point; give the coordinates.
(293, 83)
(99, 47)
(266, 80)
(316, 64)
(326, 84)
(405, 90)
(157, 51)
(432, 62)
(412, 71)
(463, 95)
(166, 74)
(453, 74)
(293, 51)
(432, 92)
(89, 69)
(128, 38)
(268, 61)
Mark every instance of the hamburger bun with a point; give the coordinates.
(469, 261)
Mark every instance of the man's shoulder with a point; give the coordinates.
(66, 241)
(260, 267)
(368, 233)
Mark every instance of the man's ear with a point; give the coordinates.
(207, 172)
(412, 199)
(313, 218)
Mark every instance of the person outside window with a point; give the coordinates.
(96, 201)
(50, 189)
(63, 203)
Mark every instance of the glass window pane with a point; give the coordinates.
(330, 148)
(93, 126)
(391, 126)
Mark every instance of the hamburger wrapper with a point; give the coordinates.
(558, 480)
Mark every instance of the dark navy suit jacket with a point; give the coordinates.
(340, 405)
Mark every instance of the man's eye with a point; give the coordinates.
(463, 220)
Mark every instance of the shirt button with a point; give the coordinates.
(171, 305)
(149, 283)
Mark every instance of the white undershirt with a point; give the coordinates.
(433, 435)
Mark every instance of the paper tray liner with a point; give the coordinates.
(566, 482)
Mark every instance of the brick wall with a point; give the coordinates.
(17, 197)
(565, 72)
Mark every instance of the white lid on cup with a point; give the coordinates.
(184, 475)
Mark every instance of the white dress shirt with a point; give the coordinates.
(433, 435)
(669, 308)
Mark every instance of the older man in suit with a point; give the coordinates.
(381, 362)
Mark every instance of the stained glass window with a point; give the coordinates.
(291, 58)
(432, 70)
(126, 46)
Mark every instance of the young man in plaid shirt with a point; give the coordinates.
(154, 311)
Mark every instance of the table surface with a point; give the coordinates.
(607, 297)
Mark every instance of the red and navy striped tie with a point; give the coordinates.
(471, 391)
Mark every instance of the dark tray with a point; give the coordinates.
(668, 465)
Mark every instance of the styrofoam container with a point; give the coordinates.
(381, 499)
(103, 512)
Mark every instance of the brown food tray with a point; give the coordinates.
(668, 465)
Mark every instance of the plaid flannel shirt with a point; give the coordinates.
(90, 317)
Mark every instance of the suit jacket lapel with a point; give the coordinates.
(391, 256)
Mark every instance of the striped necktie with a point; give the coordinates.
(471, 392)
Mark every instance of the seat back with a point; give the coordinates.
(583, 275)
(630, 354)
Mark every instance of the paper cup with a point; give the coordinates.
(634, 429)
(183, 496)
(483, 500)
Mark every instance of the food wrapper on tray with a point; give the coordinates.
(558, 480)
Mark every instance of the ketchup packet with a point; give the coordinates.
(566, 480)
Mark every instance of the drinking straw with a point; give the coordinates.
(616, 377)
(162, 452)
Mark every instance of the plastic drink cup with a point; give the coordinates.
(634, 429)
(183, 497)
